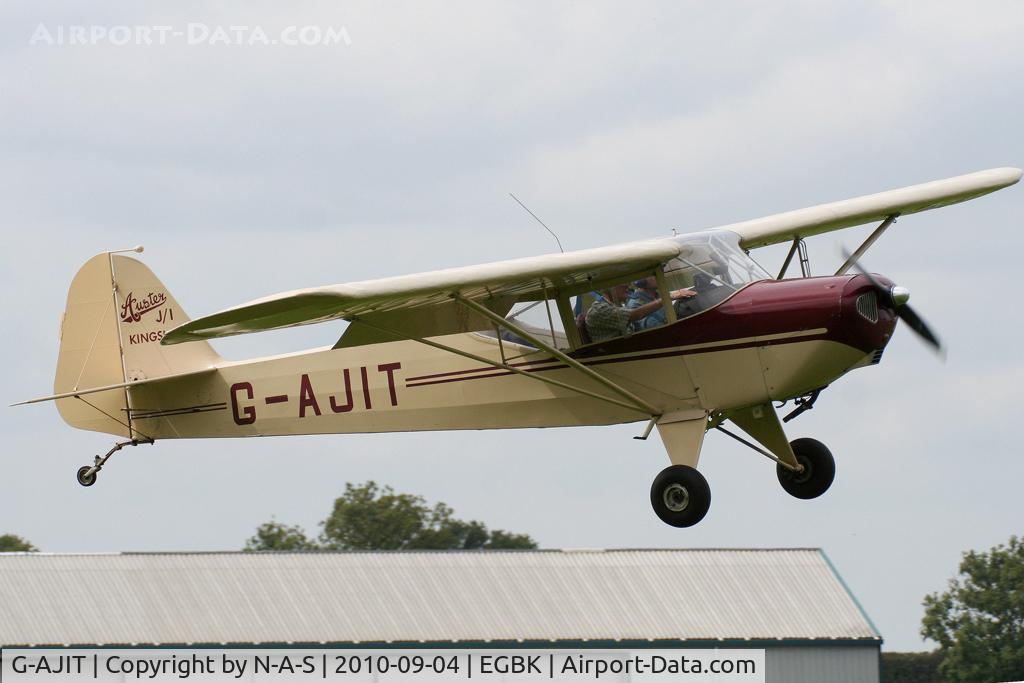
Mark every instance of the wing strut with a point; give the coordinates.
(855, 256)
(805, 264)
(637, 402)
(509, 368)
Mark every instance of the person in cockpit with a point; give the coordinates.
(608, 316)
(644, 292)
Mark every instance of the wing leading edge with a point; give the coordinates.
(847, 213)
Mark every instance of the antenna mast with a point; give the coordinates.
(539, 221)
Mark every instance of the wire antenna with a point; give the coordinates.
(539, 221)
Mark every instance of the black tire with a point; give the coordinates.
(819, 470)
(680, 496)
(86, 479)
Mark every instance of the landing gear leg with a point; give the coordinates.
(805, 467)
(87, 474)
(680, 495)
(819, 469)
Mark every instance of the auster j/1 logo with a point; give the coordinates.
(133, 309)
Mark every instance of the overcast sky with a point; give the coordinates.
(250, 169)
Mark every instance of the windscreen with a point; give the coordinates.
(714, 266)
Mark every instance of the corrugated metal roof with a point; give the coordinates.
(53, 599)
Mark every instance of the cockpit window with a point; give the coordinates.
(713, 264)
(710, 267)
(538, 318)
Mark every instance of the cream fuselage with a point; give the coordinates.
(770, 341)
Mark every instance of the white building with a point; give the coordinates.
(789, 602)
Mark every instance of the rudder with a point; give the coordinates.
(117, 311)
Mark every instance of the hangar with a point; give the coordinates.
(791, 603)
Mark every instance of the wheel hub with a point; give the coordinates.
(804, 474)
(676, 497)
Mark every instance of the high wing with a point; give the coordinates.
(784, 227)
(423, 304)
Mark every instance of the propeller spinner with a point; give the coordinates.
(898, 297)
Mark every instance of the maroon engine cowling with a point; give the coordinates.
(772, 307)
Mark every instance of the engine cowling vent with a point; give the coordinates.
(867, 306)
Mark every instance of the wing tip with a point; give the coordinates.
(180, 335)
(1012, 172)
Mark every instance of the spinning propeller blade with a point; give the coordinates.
(914, 321)
(897, 297)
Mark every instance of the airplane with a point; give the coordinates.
(447, 349)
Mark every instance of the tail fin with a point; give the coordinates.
(117, 313)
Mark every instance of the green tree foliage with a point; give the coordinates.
(370, 517)
(979, 622)
(9, 543)
(503, 540)
(911, 667)
(276, 536)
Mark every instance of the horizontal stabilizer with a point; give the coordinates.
(122, 385)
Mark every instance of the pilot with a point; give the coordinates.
(608, 318)
(645, 291)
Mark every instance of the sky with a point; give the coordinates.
(248, 169)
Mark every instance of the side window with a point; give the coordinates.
(623, 308)
(541, 319)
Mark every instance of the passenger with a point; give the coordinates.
(607, 318)
(644, 292)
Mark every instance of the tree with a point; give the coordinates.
(9, 543)
(911, 667)
(979, 622)
(370, 517)
(276, 536)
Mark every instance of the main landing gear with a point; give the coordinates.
(813, 472)
(680, 496)
(819, 469)
(87, 474)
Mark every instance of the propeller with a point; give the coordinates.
(898, 296)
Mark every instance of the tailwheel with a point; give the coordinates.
(87, 475)
(680, 496)
(819, 469)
